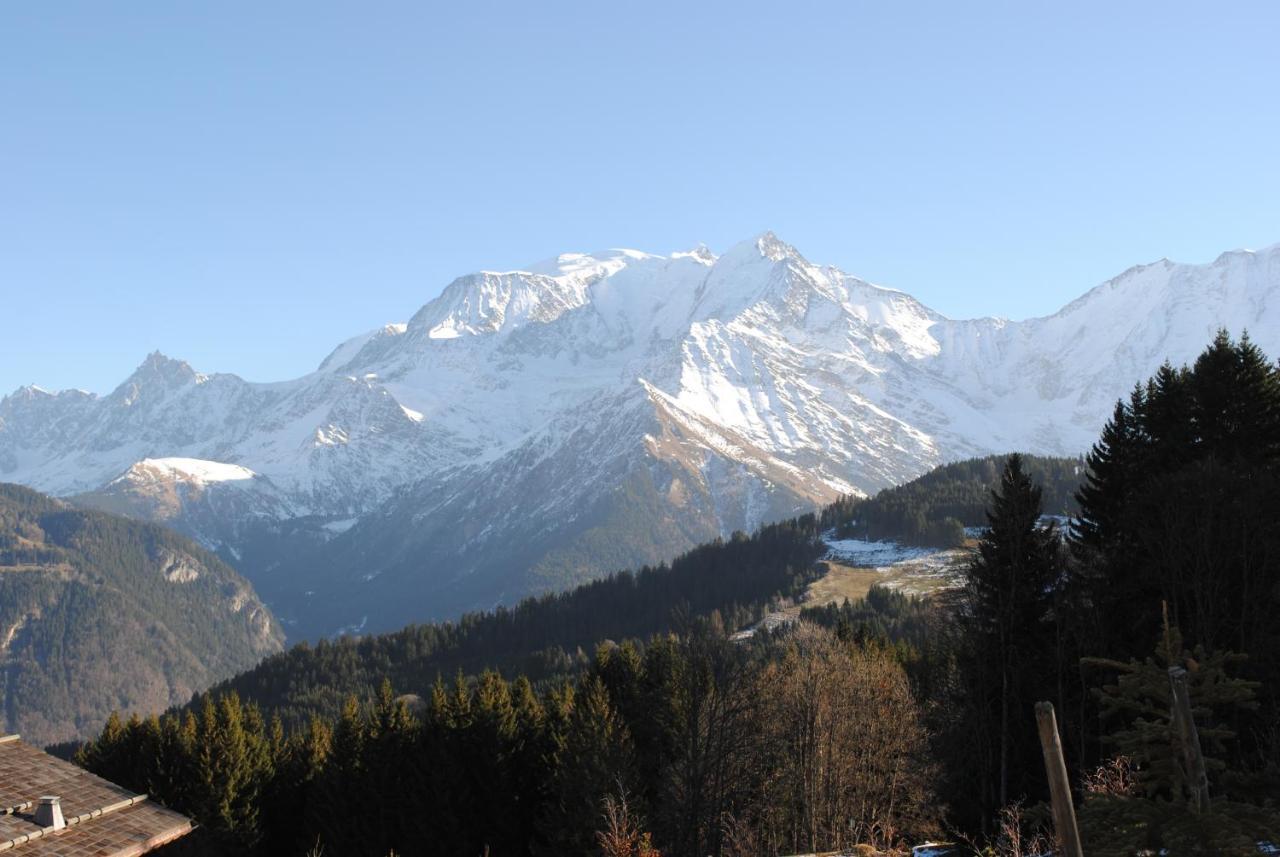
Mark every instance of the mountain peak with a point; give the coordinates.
(765, 245)
(701, 253)
(31, 391)
(1247, 253)
(490, 302)
(588, 265)
(177, 469)
(157, 361)
(157, 372)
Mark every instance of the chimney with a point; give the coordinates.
(49, 813)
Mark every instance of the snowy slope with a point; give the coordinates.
(603, 409)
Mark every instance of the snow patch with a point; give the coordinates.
(864, 554)
(188, 470)
(338, 527)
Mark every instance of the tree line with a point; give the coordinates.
(787, 744)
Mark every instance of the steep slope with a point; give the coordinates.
(531, 428)
(99, 613)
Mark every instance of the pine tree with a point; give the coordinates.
(300, 762)
(490, 744)
(1009, 597)
(1235, 409)
(1106, 488)
(106, 754)
(232, 766)
(1154, 812)
(389, 738)
(528, 753)
(344, 775)
(593, 756)
(1174, 504)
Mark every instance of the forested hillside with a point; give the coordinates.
(898, 720)
(546, 636)
(98, 612)
(934, 509)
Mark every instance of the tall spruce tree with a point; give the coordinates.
(1010, 590)
(593, 758)
(1176, 507)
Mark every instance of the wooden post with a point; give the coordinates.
(1185, 723)
(1064, 812)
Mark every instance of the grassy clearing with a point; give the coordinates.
(914, 577)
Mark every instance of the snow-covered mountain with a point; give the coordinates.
(528, 429)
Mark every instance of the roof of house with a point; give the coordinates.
(103, 819)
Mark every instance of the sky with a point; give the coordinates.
(244, 185)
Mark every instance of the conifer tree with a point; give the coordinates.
(389, 738)
(528, 754)
(1009, 597)
(489, 762)
(1155, 812)
(593, 756)
(232, 767)
(328, 814)
(1175, 509)
(105, 754)
(300, 762)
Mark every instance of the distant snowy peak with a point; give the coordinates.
(766, 245)
(701, 254)
(193, 470)
(158, 372)
(210, 501)
(1164, 311)
(347, 351)
(1235, 273)
(588, 266)
(490, 302)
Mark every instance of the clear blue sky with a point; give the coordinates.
(244, 184)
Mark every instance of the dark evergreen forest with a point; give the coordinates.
(877, 724)
(935, 509)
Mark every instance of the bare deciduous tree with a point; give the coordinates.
(844, 746)
(622, 836)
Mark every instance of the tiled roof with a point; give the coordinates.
(103, 820)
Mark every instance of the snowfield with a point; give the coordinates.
(862, 554)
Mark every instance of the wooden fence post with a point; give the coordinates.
(1064, 812)
(1185, 723)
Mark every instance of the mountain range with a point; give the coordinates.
(527, 430)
